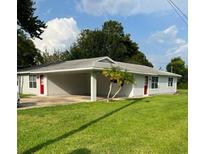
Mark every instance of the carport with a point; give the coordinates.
(84, 83)
(72, 83)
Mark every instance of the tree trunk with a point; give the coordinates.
(109, 92)
(117, 92)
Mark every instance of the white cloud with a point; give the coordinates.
(162, 46)
(180, 41)
(59, 35)
(168, 38)
(126, 7)
(178, 50)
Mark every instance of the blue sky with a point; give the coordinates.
(154, 25)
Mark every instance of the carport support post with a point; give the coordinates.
(93, 86)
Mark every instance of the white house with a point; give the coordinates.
(83, 77)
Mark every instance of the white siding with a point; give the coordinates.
(68, 84)
(79, 84)
(163, 86)
(138, 87)
(23, 84)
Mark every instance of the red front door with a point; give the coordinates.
(41, 85)
(145, 85)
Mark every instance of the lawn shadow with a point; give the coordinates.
(27, 104)
(81, 151)
(81, 128)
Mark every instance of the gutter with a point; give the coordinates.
(86, 69)
(55, 71)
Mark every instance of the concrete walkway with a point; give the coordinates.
(42, 101)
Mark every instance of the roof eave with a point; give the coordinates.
(56, 71)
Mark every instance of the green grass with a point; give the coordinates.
(156, 124)
(26, 95)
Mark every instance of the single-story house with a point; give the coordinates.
(83, 77)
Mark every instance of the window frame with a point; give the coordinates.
(32, 81)
(170, 81)
(155, 82)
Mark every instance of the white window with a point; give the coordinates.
(32, 81)
(170, 82)
(154, 82)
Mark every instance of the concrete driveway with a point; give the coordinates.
(42, 101)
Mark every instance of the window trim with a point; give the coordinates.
(32, 81)
(155, 83)
(170, 82)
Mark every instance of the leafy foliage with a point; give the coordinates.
(115, 75)
(57, 56)
(109, 41)
(26, 19)
(27, 54)
(113, 27)
(177, 65)
(182, 85)
(139, 58)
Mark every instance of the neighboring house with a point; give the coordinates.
(83, 77)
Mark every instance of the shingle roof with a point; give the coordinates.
(98, 63)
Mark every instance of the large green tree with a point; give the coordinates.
(177, 65)
(27, 54)
(55, 57)
(139, 58)
(109, 41)
(26, 19)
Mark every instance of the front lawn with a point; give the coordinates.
(26, 95)
(156, 124)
